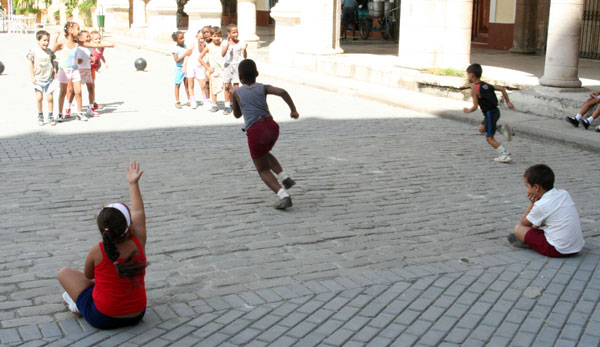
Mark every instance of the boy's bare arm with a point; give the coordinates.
(475, 102)
(505, 95)
(31, 71)
(237, 111)
(282, 93)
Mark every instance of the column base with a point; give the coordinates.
(550, 82)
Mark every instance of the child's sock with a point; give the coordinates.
(502, 150)
(228, 104)
(282, 193)
(590, 119)
(578, 116)
(50, 116)
(40, 114)
(282, 175)
(192, 100)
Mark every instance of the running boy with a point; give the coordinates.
(250, 100)
(594, 99)
(234, 51)
(41, 69)
(484, 96)
(214, 66)
(551, 223)
(179, 53)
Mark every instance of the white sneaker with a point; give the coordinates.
(194, 105)
(80, 116)
(504, 158)
(90, 112)
(506, 131)
(70, 303)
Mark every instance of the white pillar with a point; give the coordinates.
(246, 14)
(202, 13)
(162, 19)
(320, 27)
(287, 30)
(564, 35)
(140, 18)
(435, 33)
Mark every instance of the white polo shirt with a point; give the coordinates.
(556, 215)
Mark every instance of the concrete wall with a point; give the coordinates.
(504, 12)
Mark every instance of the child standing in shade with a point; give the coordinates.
(179, 52)
(233, 51)
(250, 101)
(214, 66)
(484, 96)
(551, 223)
(41, 69)
(110, 292)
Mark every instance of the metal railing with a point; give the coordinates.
(590, 30)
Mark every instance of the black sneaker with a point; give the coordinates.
(513, 240)
(585, 123)
(227, 110)
(284, 203)
(288, 183)
(40, 120)
(573, 121)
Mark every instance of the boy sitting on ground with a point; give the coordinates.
(551, 223)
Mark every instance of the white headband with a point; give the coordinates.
(123, 209)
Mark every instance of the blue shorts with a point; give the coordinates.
(179, 75)
(489, 121)
(87, 308)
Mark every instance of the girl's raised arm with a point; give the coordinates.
(138, 215)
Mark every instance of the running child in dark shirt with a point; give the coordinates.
(250, 100)
(484, 96)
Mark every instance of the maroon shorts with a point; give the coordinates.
(537, 240)
(262, 137)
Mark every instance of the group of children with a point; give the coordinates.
(110, 292)
(211, 62)
(72, 60)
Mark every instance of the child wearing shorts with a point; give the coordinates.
(194, 70)
(233, 51)
(110, 293)
(250, 100)
(41, 68)
(179, 52)
(551, 223)
(214, 66)
(594, 99)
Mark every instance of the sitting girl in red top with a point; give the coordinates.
(110, 292)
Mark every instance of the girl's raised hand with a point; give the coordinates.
(133, 172)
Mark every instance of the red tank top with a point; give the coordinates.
(97, 54)
(116, 296)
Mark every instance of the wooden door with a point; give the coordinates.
(481, 21)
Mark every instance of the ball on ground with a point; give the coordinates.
(1, 67)
(140, 64)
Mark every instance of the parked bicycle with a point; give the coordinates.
(386, 20)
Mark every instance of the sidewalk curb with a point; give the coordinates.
(389, 95)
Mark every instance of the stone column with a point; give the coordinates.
(116, 15)
(564, 36)
(140, 18)
(287, 31)
(320, 27)
(201, 13)
(524, 34)
(162, 19)
(435, 33)
(246, 14)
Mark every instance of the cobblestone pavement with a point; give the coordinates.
(397, 234)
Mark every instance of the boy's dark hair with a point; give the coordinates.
(230, 27)
(41, 33)
(112, 224)
(475, 69)
(247, 71)
(215, 30)
(540, 174)
(175, 34)
(83, 32)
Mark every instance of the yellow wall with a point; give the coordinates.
(505, 11)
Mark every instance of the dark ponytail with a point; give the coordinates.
(68, 26)
(112, 225)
